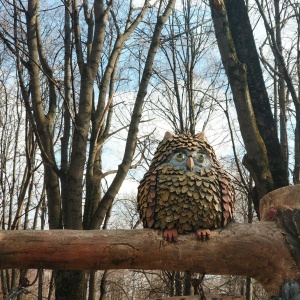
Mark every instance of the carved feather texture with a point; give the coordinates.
(176, 193)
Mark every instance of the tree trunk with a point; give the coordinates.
(243, 40)
(67, 290)
(249, 288)
(43, 122)
(256, 160)
(296, 173)
(92, 285)
(103, 286)
(282, 63)
(178, 284)
(40, 284)
(187, 284)
(281, 93)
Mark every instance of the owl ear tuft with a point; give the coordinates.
(201, 135)
(168, 135)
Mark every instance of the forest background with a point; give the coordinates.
(87, 90)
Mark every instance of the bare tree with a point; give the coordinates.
(19, 167)
(70, 70)
(281, 22)
(183, 78)
(86, 119)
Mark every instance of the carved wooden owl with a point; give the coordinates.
(185, 189)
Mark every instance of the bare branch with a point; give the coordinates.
(135, 120)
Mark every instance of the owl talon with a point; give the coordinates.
(203, 235)
(170, 235)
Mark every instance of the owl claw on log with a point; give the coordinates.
(170, 235)
(185, 189)
(203, 235)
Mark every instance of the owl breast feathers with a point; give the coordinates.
(185, 188)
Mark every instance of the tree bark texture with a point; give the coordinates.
(256, 250)
(243, 39)
(256, 159)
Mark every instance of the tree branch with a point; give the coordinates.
(109, 196)
(240, 249)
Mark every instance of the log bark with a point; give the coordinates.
(207, 297)
(256, 250)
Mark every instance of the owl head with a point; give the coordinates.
(188, 152)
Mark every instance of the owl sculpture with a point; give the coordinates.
(185, 189)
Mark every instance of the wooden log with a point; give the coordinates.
(208, 297)
(256, 250)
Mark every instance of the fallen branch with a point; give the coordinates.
(256, 250)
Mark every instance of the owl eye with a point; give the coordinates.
(179, 156)
(200, 157)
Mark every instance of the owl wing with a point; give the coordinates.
(227, 196)
(146, 198)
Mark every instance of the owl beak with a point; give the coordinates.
(190, 164)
